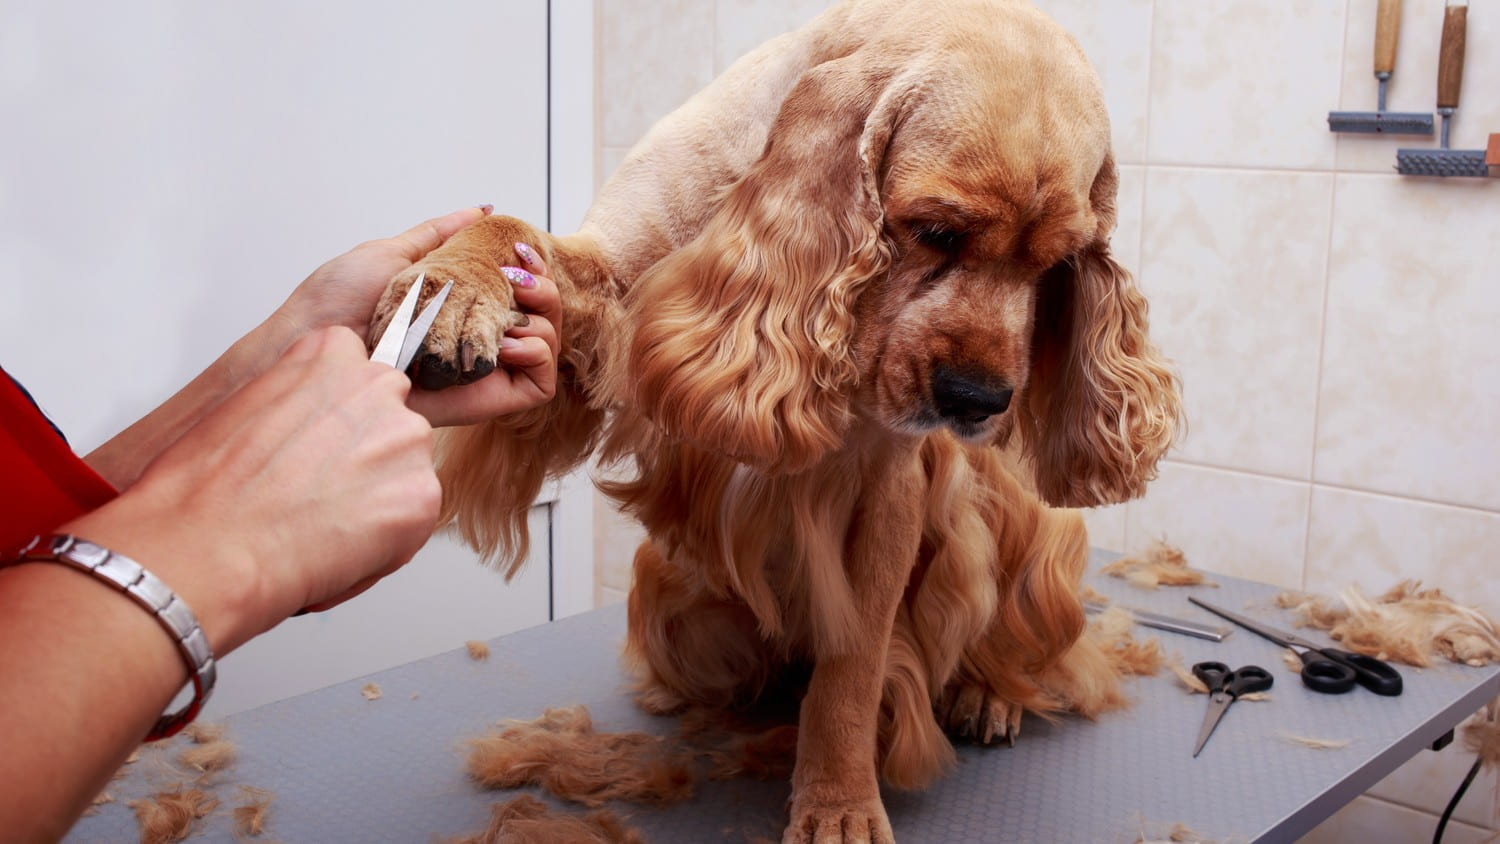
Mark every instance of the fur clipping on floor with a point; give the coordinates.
(1159, 565)
(1407, 624)
(1314, 743)
(1292, 661)
(370, 691)
(1112, 631)
(478, 651)
(527, 820)
(250, 816)
(563, 754)
(169, 816)
(1089, 594)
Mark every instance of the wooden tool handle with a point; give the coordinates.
(1387, 30)
(1451, 56)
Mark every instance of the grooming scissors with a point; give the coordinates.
(1226, 687)
(403, 337)
(1327, 670)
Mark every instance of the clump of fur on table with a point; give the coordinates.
(1407, 624)
(1112, 631)
(170, 816)
(562, 753)
(1159, 565)
(527, 820)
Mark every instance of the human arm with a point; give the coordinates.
(313, 478)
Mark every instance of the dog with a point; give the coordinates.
(851, 317)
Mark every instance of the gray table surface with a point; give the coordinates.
(344, 768)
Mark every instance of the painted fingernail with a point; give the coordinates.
(486, 208)
(518, 277)
(510, 343)
(527, 254)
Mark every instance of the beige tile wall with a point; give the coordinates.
(1337, 326)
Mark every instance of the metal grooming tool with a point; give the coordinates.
(1167, 622)
(1380, 121)
(403, 336)
(1442, 160)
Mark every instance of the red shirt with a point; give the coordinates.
(42, 482)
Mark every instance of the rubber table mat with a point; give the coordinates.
(347, 769)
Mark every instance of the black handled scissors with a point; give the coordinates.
(1224, 688)
(1327, 670)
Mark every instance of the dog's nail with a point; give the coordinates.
(509, 344)
(519, 277)
(519, 320)
(528, 255)
(486, 208)
(466, 357)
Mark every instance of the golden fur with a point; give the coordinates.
(759, 311)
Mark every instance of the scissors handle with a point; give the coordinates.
(1322, 674)
(1247, 679)
(1241, 681)
(1377, 675)
(1213, 674)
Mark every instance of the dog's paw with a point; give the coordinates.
(968, 710)
(862, 822)
(464, 341)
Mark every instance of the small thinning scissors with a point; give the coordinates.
(1327, 670)
(399, 343)
(1226, 687)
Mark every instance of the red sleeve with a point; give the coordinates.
(42, 482)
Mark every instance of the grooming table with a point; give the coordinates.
(347, 769)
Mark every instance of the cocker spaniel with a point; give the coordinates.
(821, 309)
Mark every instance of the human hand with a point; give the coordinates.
(345, 290)
(306, 486)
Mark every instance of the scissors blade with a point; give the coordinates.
(420, 326)
(1280, 637)
(388, 347)
(1218, 704)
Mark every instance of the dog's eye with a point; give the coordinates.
(941, 239)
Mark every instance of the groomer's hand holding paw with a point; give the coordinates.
(345, 291)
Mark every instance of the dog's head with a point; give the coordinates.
(923, 244)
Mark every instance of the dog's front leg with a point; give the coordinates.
(835, 791)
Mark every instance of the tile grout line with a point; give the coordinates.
(1374, 493)
(1140, 235)
(1433, 814)
(1333, 190)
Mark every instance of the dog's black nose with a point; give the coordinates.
(967, 398)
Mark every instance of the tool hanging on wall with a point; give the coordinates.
(1442, 160)
(1380, 121)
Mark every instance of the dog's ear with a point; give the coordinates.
(739, 341)
(1102, 404)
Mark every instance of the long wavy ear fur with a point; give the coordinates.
(739, 341)
(1102, 403)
